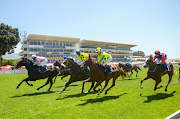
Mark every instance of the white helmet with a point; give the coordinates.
(33, 56)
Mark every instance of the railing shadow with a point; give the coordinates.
(102, 99)
(158, 96)
(33, 94)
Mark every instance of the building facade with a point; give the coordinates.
(55, 47)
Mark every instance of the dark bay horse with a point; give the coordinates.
(64, 72)
(179, 72)
(34, 75)
(156, 72)
(128, 69)
(75, 75)
(98, 75)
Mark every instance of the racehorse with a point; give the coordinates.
(156, 72)
(97, 74)
(128, 69)
(77, 74)
(34, 75)
(64, 72)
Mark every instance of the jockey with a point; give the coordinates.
(128, 61)
(160, 58)
(40, 61)
(81, 56)
(104, 59)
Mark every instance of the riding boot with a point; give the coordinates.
(164, 67)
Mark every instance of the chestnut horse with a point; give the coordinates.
(98, 75)
(179, 72)
(128, 69)
(64, 72)
(156, 72)
(77, 74)
(34, 75)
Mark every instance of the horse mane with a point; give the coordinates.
(90, 58)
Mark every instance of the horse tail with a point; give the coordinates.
(139, 69)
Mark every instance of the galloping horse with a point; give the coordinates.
(98, 75)
(156, 72)
(33, 75)
(128, 69)
(64, 72)
(76, 73)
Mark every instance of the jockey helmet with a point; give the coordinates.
(78, 51)
(65, 57)
(33, 56)
(157, 52)
(98, 50)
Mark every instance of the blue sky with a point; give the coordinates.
(150, 24)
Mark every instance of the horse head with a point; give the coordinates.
(22, 62)
(89, 61)
(148, 61)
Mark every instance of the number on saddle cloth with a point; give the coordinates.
(109, 69)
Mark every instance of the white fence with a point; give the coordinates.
(13, 71)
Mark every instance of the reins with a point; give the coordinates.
(154, 69)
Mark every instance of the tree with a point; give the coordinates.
(139, 53)
(9, 38)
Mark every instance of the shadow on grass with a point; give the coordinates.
(129, 79)
(33, 94)
(76, 95)
(158, 96)
(102, 99)
(63, 86)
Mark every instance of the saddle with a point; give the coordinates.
(107, 69)
(129, 65)
(43, 69)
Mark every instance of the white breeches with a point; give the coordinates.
(43, 62)
(108, 61)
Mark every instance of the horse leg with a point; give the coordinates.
(64, 88)
(131, 73)
(55, 79)
(47, 82)
(51, 83)
(22, 82)
(92, 85)
(156, 84)
(83, 85)
(106, 83)
(97, 84)
(136, 73)
(113, 84)
(170, 78)
(29, 83)
(143, 81)
(64, 77)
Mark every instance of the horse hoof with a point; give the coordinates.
(86, 92)
(38, 89)
(31, 84)
(59, 92)
(141, 87)
(105, 93)
(166, 90)
(98, 93)
(17, 87)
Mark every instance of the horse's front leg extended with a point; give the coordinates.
(22, 82)
(64, 88)
(143, 81)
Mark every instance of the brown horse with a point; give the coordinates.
(128, 69)
(34, 75)
(77, 74)
(156, 72)
(64, 72)
(98, 75)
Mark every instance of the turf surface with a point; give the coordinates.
(126, 100)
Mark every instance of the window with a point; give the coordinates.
(25, 49)
(39, 43)
(25, 42)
